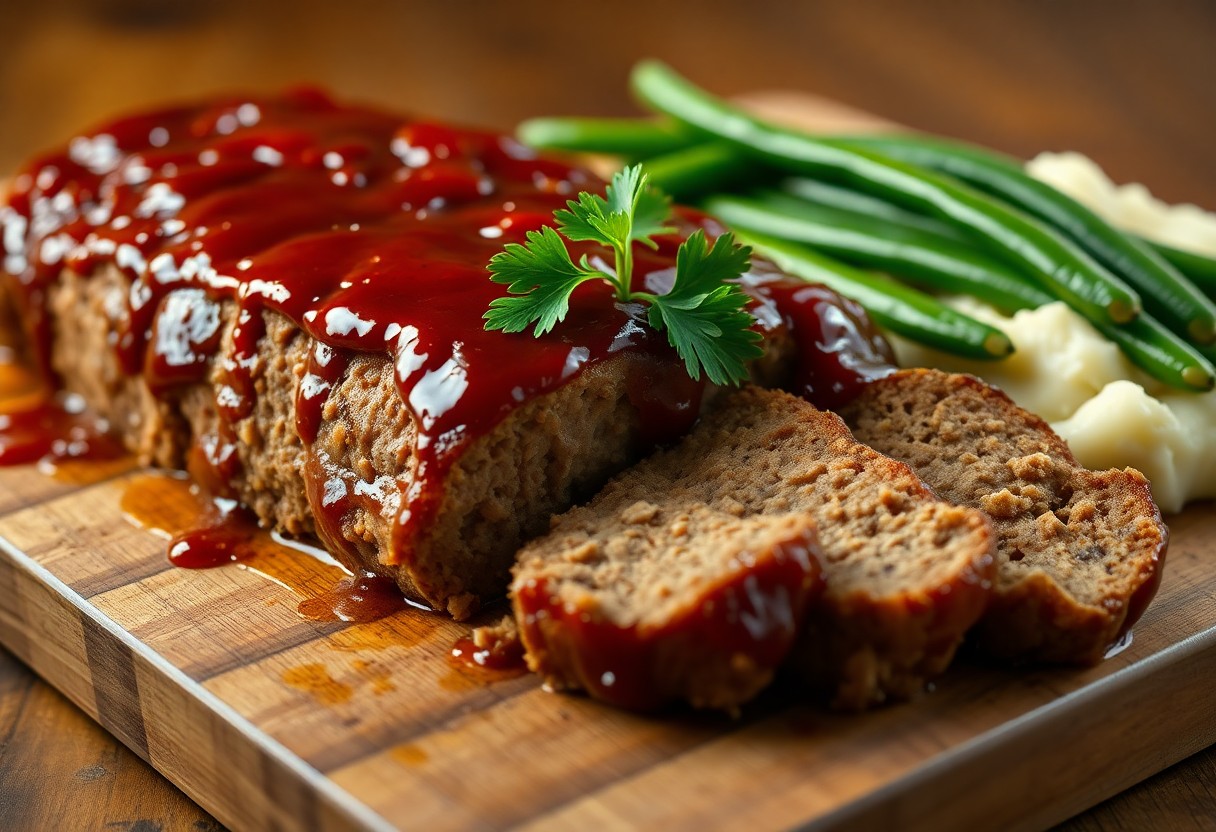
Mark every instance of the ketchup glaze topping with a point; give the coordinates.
(371, 233)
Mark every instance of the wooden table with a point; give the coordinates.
(1128, 83)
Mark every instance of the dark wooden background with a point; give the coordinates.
(1132, 84)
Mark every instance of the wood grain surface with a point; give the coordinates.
(1127, 82)
(273, 721)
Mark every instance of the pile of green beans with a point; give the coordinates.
(854, 212)
(1168, 295)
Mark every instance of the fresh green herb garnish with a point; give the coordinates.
(703, 314)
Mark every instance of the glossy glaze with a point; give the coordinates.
(53, 429)
(372, 233)
(225, 533)
(355, 600)
(506, 655)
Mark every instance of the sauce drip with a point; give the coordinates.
(52, 429)
(355, 600)
(226, 533)
(205, 533)
(504, 655)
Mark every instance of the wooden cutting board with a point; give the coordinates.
(273, 721)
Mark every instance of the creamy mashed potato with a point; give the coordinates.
(1111, 414)
(1131, 206)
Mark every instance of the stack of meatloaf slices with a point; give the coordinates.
(985, 526)
(770, 537)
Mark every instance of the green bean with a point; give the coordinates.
(907, 252)
(618, 136)
(1168, 295)
(693, 171)
(1145, 341)
(1152, 347)
(845, 199)
(1198, 268)
(1061, 268)
(901, 309)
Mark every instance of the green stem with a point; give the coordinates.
(624, 271)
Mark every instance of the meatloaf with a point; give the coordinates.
(499, 493)
(906, 573)
(1079, 552)
(285, 296)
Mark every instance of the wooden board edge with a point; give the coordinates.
(1153, 727)
(68, 659)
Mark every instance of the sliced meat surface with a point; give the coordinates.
(1079, 552)
(906, 574)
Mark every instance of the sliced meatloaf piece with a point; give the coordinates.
(1079, 552)
(502, 490)
(687, 602)
(906, 573)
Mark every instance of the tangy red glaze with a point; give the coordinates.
(370, 232)
(225, 534)
(755, 612)
(53, 429)
(503, 655)
(355, 600)
(839, 349)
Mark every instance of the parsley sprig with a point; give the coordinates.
(703, 314)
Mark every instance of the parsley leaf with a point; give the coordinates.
(542, 277)
(631, 213)
(585, 219)
(705, 316)
(647, 208)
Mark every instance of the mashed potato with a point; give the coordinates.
(1111, 413)
(1130, 207)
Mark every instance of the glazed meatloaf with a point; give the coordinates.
(501, 491)
(906, 574)
(285, 296)
(1079, 552)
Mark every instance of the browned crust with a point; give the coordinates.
(703, 655)
(1032, 615)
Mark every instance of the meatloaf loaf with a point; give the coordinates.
(906, 573)
(500, 492)
(285, 295)
(1079, 552)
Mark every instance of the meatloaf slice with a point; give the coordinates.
(906, 573)
(1079, 552)
(685, 602)
(502, 490)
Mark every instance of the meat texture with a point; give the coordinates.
(501, 491)
(906, 574)
(1079, 552)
